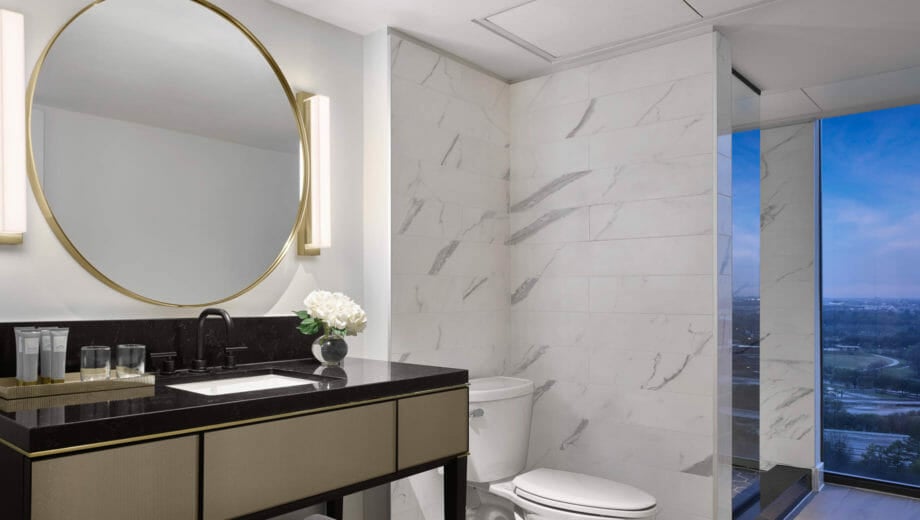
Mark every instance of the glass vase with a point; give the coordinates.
(330, 349)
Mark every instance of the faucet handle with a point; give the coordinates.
(168, 365)
(230, 357)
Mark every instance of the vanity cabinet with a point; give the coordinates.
(432, 427)
(153, 480)
(256, 467)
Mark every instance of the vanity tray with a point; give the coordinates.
(71, 385)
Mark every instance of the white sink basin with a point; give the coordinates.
(242, 384)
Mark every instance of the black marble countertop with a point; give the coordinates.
(172, 410)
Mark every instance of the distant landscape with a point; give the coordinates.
(871, 376)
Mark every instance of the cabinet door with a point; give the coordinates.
(251, 468)
(433, 427)
(152, 481)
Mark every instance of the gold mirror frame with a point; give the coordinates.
(302, 215)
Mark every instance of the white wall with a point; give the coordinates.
(42, 281)
(616, 226)
(377, 203)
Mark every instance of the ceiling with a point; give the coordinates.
(782, 46)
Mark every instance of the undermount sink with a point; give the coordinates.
(238, 385)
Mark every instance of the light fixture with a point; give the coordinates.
(12, 128)
(315, 229)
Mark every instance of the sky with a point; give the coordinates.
(870, 205)
(746, 213)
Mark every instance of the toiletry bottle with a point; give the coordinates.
(59, 354)
(31, 343)
(44, 360)
(17, 331)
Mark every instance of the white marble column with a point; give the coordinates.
(722, 368)
(789, 356)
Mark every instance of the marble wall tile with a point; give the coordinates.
(425, 105)
(533, 260)
(571, 222)
(427, 293)
(450, 292)
(652, 218)
(789, 392)
(556, 329)
(555, 158)
(423, 255)
(652, 256)
(686, 58)
(549, 227)
(544, 363)
(681, 177)
(632, 370)
(445, 338)
(642, 106)
(678, 334)
(551, 293)
(426, 67)
(665, 140)
(449, 147)
(674, 295)
(614, 190)
(446, 185)
(559, 88)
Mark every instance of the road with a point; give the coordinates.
(858, 442)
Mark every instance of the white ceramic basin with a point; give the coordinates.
(242, 384)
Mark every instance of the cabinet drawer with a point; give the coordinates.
(433, 427)
(251, 468)
(145, 481)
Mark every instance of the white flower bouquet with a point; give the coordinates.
(329, 312)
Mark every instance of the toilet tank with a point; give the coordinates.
(500, 410)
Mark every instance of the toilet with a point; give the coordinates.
(500, 413)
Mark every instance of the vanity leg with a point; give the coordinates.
(455, 489)
(334, 508)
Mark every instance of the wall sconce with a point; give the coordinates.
(315, 230)
(12, 128)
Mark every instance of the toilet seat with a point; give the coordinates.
(562, 494)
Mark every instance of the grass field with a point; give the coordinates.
(852, 361)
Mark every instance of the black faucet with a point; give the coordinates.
(200, 364)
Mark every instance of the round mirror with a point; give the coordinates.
(166, 150)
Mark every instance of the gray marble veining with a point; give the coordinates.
(547, 190)
(537, 225)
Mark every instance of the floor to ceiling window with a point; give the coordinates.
(745, 321)
(746, 295)
(870, 175)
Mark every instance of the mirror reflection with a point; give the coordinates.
(167, 150)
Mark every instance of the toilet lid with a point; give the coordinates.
(581, 493)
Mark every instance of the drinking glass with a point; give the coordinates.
(95, 363)
(129, 360)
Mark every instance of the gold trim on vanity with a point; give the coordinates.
(211, 427)
(10, 239)
(56, 227)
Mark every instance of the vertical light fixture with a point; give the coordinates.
(12, 128)
(315, 230)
